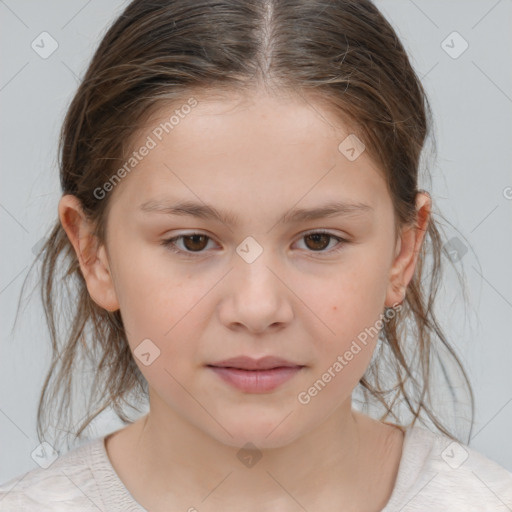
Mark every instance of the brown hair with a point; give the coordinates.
(341, 53)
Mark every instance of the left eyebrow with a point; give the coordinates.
(205, 211)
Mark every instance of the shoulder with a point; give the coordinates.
(439, 473)
(67, 484)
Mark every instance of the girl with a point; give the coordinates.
(247, 243)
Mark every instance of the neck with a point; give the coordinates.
(340, 461)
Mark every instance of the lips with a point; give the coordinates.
(249, 363)
(255, 375)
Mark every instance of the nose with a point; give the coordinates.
(256, 296)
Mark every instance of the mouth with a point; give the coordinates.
(255, 375)
(249, 363)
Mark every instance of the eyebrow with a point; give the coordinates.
(205, 211)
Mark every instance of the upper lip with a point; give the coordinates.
(249, 363)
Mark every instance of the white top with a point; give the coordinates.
(434, 474)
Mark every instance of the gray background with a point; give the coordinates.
(471, 97)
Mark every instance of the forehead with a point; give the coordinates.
(256, 150)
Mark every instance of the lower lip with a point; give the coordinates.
(256, 381)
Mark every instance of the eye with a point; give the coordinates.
(319, 240)
(195, 243)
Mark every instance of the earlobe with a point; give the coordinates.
(92, 257)
(409, 246)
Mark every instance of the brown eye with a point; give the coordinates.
(195, 242)
(319, 241)
(191, 245)
(322, 242)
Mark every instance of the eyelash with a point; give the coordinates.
(170, 244)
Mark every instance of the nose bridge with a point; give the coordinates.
(256, 296)
(254, 261)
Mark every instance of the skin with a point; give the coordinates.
(263, 154)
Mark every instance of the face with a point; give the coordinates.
(264, 279)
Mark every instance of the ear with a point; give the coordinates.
(93, 259)
(407, 252)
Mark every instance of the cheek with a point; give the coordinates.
(351, 306)
(166, 307)
(352, 298)
(162, 326)
(150, 289)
